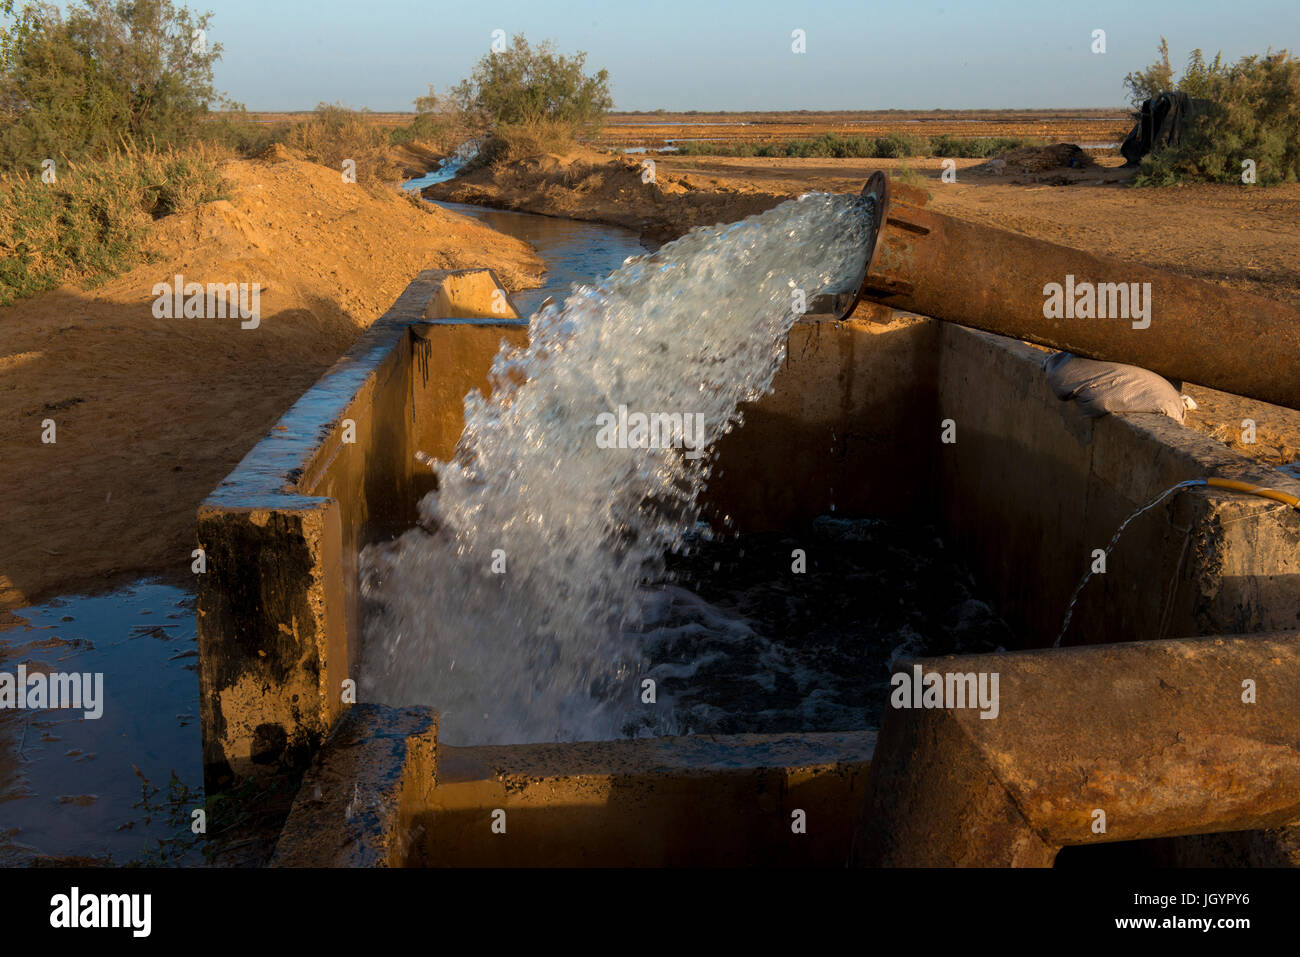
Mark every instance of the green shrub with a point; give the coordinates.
(1152, 81)
(234, 130)
(835, 146)
(976, 147)
(1254, 115)
(92, 222)
(525, 85)
(1197, 79)
(512, 142)
(437, 123)
(102, 74)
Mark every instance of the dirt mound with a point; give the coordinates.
(278, 153)
(151, 413)
(590, 185)
(1030, 160)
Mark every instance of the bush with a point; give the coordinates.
(523, 86)
(976, 147)
(92, 223)
(1197, 80)
(102, 75)
(512, 142)
(335, 133)
(235, 131)
(897, 146)
(1254, 115)
(437, 123)
(1154, 80)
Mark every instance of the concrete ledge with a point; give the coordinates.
(1154, 735)
(385, 793)
(699, 801)
(356, 803)
(1031, 488)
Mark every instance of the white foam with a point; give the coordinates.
(550, 649)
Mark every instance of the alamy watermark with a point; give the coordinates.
(179, 299)
(951, 689)
(1103, 300)
(73, 910)
(651, 430)
(38, 691)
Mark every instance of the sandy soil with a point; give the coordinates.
(152, 413)
(1236, 236)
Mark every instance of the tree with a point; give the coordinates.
(526, 85)
(1154, 80)
(104, 73)
(1199, 77)
(1254, 115)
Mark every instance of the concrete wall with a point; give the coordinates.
(277, 606)
(384, 793)
(1028, 491)
(1031, 487)
(845, 428)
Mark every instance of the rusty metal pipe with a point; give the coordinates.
(991, 279)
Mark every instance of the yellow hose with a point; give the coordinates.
(1261, 491)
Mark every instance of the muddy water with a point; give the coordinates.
(574, 252)
(76, 786)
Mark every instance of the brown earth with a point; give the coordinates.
(1240, 237)
(589, 185)
(150, 414)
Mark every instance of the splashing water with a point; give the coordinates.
(1114, 540)
(512, 610)
(448, 168)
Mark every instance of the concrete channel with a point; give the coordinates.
(1141, 716)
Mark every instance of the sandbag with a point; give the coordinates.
(1101, 388)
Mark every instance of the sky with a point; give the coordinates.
(711, 55)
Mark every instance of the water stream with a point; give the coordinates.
(515, 608)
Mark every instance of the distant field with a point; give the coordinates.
(383, 119)
(654, 130)
(1073, 126)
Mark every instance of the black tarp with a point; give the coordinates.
(1162, 122)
